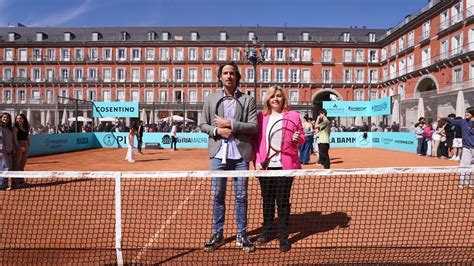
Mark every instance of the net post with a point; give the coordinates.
(118, 218)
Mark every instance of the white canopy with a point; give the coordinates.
(80, 119)
(175, 118)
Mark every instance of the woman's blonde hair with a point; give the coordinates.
(267, 109)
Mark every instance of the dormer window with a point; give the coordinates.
(346, 36)
(280, 36)
(40, 36)
(165, 36)
(11, 36)
(152, 36)
(194, 36)
(251, 35)
(223, 36)
(371, 37)
(68, 36)
(96, 36)
(305, 36)
(124, 36)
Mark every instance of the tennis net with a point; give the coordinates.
(386, 215)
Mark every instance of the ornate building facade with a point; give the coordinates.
(171, 70)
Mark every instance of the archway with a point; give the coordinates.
(425, 84)
(324, 95)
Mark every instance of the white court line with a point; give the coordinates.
(158, 233)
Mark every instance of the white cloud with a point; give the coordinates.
(64, 16)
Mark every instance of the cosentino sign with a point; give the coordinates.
(115, 109)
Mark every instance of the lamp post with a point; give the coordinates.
(255, 56)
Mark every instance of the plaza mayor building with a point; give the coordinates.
(48, 71)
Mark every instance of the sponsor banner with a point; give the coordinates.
(396, 141)
(115, 109)
(57, 143)
(119, 140)
(377, 107)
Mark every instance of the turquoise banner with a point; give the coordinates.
(57, 143)
(119, 140)
(115, 109)
(396, 141)
(377, 107)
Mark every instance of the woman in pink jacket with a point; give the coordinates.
(277, 189)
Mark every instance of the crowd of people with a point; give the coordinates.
(14, 147)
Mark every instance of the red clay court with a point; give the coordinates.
(340, 218)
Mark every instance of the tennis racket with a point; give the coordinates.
(229, 108)
(280, 139)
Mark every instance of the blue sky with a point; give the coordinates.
(292, 13)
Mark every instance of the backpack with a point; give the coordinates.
(427, 132)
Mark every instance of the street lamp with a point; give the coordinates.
(253, 57)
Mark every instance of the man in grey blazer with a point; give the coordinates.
(238, 126)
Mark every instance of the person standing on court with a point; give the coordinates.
(130, 156)
(7, 147)
(21, 139)
(239, 134)
(140, 137)
(467, 133)
(323, 125)
(305, 149)
(174, 138)
(277, 189)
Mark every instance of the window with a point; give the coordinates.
(179, 54)
(347, 76)
(37, 54)
(7, 74)
(163, 96)
(49, 96)
(410, 63)
(107, 54)
(78, 54)
(426, 30)
(401, 91)
(327, 55)
(64, 74)
(393, 49)
(457, 76)
(280, 75)
(192, 75)
(294, 75)
(327, 75)
(67, 36)
(359, 95)
(393, 71)
(347, 55)
(306, 55)
(92, 74)
(22, 73)
(136, 55)
(426, 57)
(373, 56)
(121, 75)
(178, 75)
(401, 43)
(7, 96)
(65, 54)
(456, 45)
(294, 54)
(92, 95)
(178, 96)
(192, 96)
(64, 93)
(150, 54)
(402, 67)
(93, 53)
(251, 35)
(372, 37)
(444, 20)
(265, 75)
(106, 96)
(121, 54)
(50, 74)
(164, 54)
(280, 54)
(235, 54)
(165, 36)
(223, 36)
(151, 36)
(193, 54)
(149, 96)
(294, 97)
(456, 12)
(373, 76)
(443, 50)
(135, 95)
(78, 74)
(250, 75)
(372, 95)
(359, 76)
(164, 77)
(207, 54)
(207, 74)
(95, 36)
(205, 94)
(150, 75)
(280, 36)
(135, 75)
(107, 74)
(306, 75)
(411, 38)
(50, 54)
(305, 36)
(123, 36)
(194, 36)
(346, 37)
(8, 54)
(221, 54)
(384, 54)
(22, 96)
(36, 75)
(11, 36)
(78, 94)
